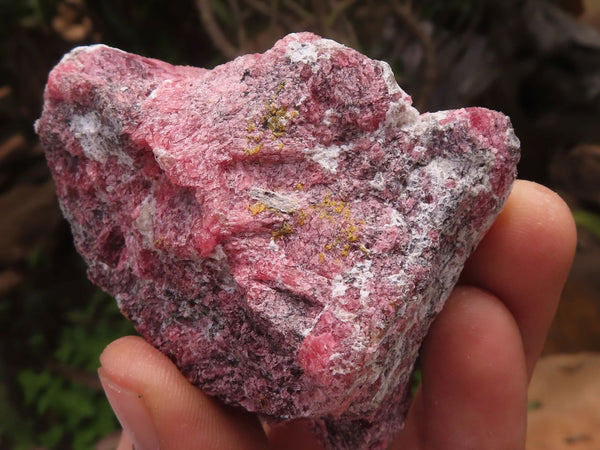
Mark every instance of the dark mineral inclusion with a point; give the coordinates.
(284, 227)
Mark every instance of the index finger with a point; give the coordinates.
(524, 260)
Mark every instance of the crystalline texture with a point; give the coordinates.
(284, 227)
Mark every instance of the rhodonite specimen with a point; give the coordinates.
(284, 227)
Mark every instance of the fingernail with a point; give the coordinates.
(132, 412)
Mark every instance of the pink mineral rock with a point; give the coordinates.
(285, 227)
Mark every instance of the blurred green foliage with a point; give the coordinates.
(588, 220)
(78, 412)
(416, 380)
(60, 401)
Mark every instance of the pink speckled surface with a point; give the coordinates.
(284, 227)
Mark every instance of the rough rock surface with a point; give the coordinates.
(285, 227)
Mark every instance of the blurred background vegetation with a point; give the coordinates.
(536, 60)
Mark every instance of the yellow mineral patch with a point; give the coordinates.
(274, 118)
(257, 208)
(277, 118)
(351, 233)
(330, 206)
(285, 230)
(348, 227)
(254, 150)
(301, 217)
(345, 250)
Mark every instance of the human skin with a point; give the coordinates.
(476, 360)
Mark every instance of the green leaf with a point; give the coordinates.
(13, 428)
(33, 384)
(221, 11)
(51, 437)
(588, 220)
(416, 378)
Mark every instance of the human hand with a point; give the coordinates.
(476, 360)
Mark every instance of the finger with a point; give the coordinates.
(525, 259)
(159, 408)
(473, 392)
(125, 443)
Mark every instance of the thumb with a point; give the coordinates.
(159, 409)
